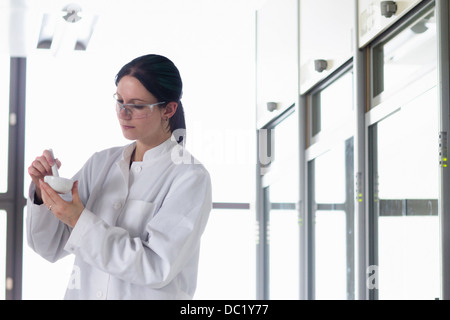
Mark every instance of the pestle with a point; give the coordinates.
(54, 167)
(59, 184)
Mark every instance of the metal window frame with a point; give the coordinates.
(360, 75)
(13, 201)
(443, 34)
(371, 253)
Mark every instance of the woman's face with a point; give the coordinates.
(151, 130)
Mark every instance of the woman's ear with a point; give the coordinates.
(170, 109)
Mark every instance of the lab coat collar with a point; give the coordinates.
(157, 151)
(153, 153)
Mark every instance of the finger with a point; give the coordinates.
(33, 172)
(48, 156)
(42, 165)
(37, 172)
(35, 176)
(75, 189)
(58, 163)
(51, 196)
(75, 194)
(44, 195)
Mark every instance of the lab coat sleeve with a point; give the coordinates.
(46, 235)
(173, 236)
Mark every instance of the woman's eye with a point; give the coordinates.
(139, 107)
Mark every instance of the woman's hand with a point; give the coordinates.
(41, 167)
(66, 211)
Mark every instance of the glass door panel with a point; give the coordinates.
(330, 255)
(285, 152)
(327, 114)
(332, 225)
(406, 186)
(330, 176)
(404, 56)
(409, 258)
(284, 239)
(281, 211)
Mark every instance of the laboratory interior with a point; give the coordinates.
(323, 124)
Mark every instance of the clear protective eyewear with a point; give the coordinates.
(134, 111)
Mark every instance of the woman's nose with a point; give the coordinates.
(124, 112)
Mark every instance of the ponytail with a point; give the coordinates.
(177, 124)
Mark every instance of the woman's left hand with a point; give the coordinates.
(66, 211)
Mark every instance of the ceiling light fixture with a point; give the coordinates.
(67, 31)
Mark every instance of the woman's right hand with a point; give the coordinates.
(41, 167)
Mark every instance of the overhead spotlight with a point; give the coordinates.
(72, 10)
(72, 32)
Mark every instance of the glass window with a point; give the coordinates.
(70, 109)
(406, 186)
(63, 118)
(404, 56)
(4, 121)
(2, 253)
(332, 105)
(42, 280)
(228, 263)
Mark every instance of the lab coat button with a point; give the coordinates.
(117, 205)
(138, 169)
(99, 294)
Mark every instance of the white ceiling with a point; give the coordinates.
(20, 20)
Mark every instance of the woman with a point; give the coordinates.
(136, 213)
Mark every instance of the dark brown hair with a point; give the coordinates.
(161, 78)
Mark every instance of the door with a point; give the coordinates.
(403, 134)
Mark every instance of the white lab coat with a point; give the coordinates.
(139, 235)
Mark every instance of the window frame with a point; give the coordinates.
(12, 201)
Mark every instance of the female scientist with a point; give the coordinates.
(136, 213)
